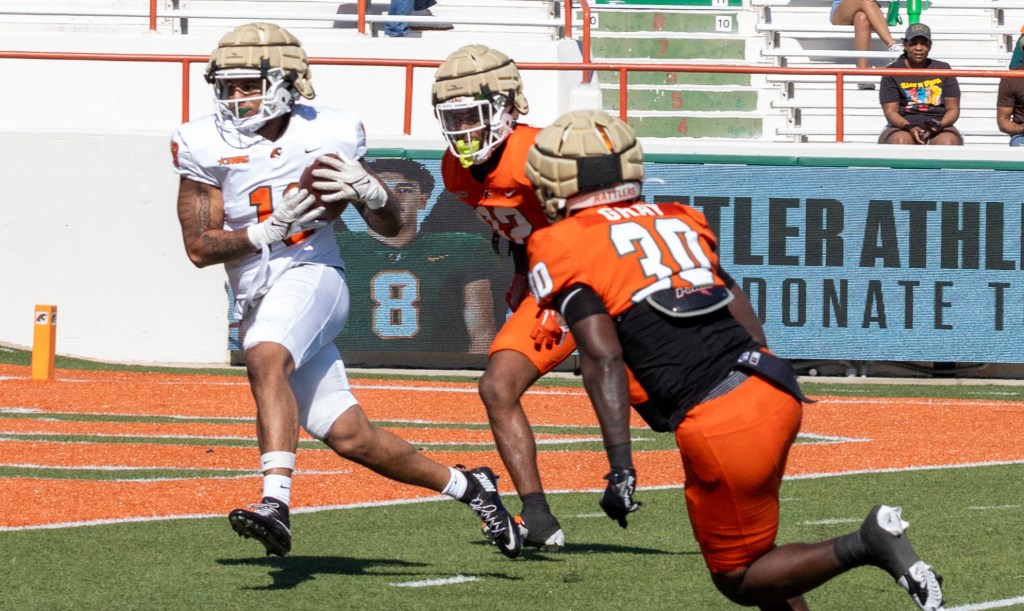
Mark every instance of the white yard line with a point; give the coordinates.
(995, 604)
(434, 582)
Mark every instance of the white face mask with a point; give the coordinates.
(474, 126)
(276, 98)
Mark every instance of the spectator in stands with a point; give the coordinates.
(406, 7)
(920, 109)
(397, 7)
(1017, 59)
(864, 16)
(1010, 108)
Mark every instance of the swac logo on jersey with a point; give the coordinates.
(233, 160)
(274, 154)
(174, 153)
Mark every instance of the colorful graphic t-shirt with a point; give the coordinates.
(921, 97)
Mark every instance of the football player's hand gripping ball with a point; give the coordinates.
(296, 213)
(617, 499)
(348, 181)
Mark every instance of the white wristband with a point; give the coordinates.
(257, 234)
(376, 196)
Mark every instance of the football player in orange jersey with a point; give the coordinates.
(641, 285)
(478, 98)
(238, 205)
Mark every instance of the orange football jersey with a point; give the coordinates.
(625, 253)
(505, 199)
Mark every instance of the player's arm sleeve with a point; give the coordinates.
(577, 302)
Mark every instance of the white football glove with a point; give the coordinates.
(296, 213)
(348, 180)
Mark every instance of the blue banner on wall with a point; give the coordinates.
(868, 263)
(840, 263)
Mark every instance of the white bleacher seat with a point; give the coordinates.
(968, 34)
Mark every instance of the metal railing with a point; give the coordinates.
(154, 13)
(622, 69)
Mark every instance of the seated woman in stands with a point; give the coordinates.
(864, 16)
(920, 109)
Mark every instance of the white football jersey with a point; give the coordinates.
(253, 174)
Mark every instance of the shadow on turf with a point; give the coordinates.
(288, 573)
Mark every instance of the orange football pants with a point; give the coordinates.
(515, 335)
(734, 451)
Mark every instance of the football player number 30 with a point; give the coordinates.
(672, 241)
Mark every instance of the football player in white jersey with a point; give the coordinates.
(239, 205)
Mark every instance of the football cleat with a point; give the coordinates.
(883, 532)
(483, 498)
(542, 530)
(549, 537)
(267, 522)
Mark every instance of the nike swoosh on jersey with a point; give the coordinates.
(316, 148)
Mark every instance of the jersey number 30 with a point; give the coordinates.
(676, 242)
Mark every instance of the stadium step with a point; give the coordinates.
(678, 78)
(683, 99)
(669, 104)
(658, 22)
(708, 125)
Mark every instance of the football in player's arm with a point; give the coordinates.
(641, 285)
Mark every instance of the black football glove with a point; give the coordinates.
(617, 499)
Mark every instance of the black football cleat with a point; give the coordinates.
(883, 532)
(541, 530)
(483, 498)
(267, 522)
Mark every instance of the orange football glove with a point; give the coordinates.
(548, 331)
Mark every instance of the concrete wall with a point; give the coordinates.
(89, 225)
(89, 219)
(146, 96)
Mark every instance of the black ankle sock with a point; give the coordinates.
(535, 501)
(851, 550)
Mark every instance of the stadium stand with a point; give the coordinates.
(516, 17)
(968, 34)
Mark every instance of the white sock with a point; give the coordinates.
(457, 484)
(278, 487)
